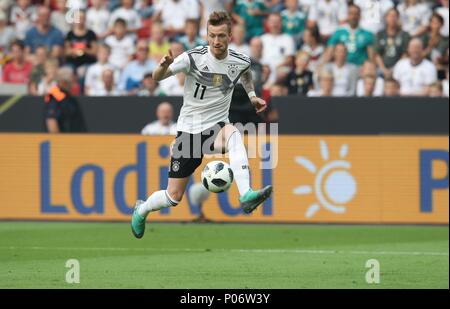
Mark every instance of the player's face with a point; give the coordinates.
(218, 38)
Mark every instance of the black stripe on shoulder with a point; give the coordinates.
(198, 50)
(197, 53)
(240, 58)
(238, 54)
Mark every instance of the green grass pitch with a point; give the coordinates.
(33, 255)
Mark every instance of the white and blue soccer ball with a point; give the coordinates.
(217, 176)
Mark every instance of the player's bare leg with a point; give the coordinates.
(230, 140)
(160, 199)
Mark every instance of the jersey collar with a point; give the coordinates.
(215, 59)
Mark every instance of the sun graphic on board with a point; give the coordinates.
(334, 185)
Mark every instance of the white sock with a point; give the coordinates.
(239, 162)
(156, 201)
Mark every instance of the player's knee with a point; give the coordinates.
(233, 139)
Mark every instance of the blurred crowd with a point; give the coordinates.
(298, 47)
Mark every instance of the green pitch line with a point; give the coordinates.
(34, 255)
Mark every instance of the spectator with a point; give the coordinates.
(414, 17)
(97, 18)
(256, 49)
(150, 87)
(145, 8)
(209, 6)
(306, 5)
(435, 44)
(93, 81)
(129, 14)
(344, 74)
(191, 39)
(435, 90)
(113, 5)
(370, 69)
(300, 80)
(164, 124)
(174, 13)
(159, 45)
(76, 5)
(108, 86)
(278, 48)
(443, 11)
(81, 45)
(312, 45)
(415, 73)
(62, 112)
(372, 13)
(391, 88)
(44, 34)
(327, 16)
(250, 14)
(7, 35)
(357, 40)
(326, 85)
(275, 6)
(239, 43)
(5, 5)
(59, 18)
(445, 84)
(122, 46)
(18, 70)
(293, 20)
(260, 72)
(391, 44)
(369, 82)
(48, 81)
(22, 17)
(132, 75)
(241, 110)
(174, 85)
(41, 56)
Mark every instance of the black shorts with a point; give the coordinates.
(188, 150)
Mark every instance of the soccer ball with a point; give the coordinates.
(217, 176)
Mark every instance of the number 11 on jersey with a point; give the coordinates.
(197, 88)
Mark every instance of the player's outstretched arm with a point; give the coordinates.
(163, 71)
(246, 80)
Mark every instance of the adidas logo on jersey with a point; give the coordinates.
(206, 68)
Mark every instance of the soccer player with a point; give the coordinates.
(203, 126)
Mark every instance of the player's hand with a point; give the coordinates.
(259, 104)
(166, 60)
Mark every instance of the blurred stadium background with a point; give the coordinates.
(361, 157)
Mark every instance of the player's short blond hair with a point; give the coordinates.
(218, 18)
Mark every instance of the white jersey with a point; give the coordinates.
(413, 79)
(208, 87)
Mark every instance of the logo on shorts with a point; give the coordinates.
(175, 166)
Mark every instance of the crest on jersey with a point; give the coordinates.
(232, 71)
(217, 80)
